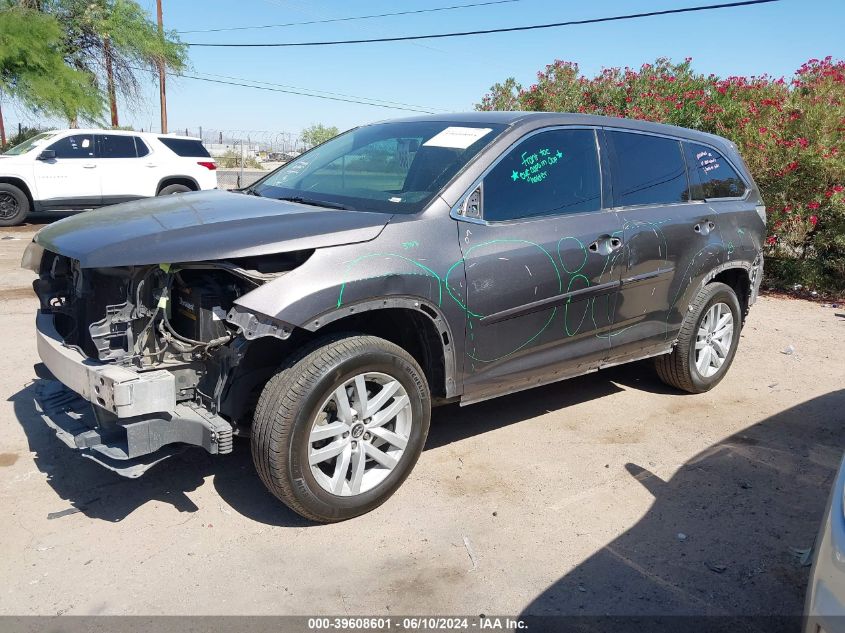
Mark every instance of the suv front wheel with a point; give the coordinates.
(707, 343)
(339, 428)
(14, 205)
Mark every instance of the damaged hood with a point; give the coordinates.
(203, 226)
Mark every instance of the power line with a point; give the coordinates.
(349, 19)
(532, 27)
(304, 94)
(316, 92)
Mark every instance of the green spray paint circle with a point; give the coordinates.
(560, 255)
(426, 271)
(569, 301)
(471, 314)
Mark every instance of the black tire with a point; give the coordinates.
(289, 405)
(170, 189)
(678, 368)
(14, 205)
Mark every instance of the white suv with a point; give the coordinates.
(83, 169)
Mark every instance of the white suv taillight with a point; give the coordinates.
(208, 164)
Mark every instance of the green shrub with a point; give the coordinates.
(232, 160)
(24, 134)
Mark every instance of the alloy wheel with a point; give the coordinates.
(713, 339)
(360, 434)
(8, 205)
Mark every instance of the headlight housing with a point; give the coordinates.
(31, 259)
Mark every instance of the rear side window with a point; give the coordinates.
(549, 173)
(185, 147)
(141, 147)
(712, 176)
(116, 146)
(74, 146)
(647, 169)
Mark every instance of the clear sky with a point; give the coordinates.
(452, 74)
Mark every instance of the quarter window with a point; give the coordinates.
(713, 177)
(141, 147)
(185, 147)
(647, 169)
(117, 146)
(74, 146)
(550, 173)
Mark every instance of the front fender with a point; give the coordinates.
(415, 263)
(332, 283)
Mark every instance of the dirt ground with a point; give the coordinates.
(607, 494)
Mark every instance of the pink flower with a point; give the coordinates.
(814, 219)
(813, 205)
(772, 240)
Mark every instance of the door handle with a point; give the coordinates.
(605, 245)
(89, 165)
(704, 227)
(151, 165)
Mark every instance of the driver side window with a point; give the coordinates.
(74, 146)
(550, 173)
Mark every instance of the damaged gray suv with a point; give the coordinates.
(324, 310)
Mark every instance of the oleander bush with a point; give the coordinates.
(791, 133)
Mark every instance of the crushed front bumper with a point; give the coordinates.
(125, 420)
(120, 391)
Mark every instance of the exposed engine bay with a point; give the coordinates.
(149, 318)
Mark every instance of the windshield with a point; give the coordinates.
(28, 144)
(389, 167)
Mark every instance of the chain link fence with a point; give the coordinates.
(244, 156)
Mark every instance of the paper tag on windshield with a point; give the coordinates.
(457, 137)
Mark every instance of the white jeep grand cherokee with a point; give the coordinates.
(83, 169)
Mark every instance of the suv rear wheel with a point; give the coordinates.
(707, 343)
(339, 428)
(14, 205)
(171, 189)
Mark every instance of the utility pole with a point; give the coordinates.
(2, 128)
(162, 92)
(110, 82)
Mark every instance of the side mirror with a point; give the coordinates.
(47, 154)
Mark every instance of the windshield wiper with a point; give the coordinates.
(313, 203)
(250, 191)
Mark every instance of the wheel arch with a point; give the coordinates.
(737, 275)
(21, 184)
(188, 181)
(416, 325)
